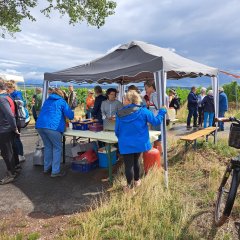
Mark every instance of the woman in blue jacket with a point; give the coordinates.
(132, 132)
(50, 125)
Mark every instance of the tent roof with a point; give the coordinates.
(8, 77)
(132, 62)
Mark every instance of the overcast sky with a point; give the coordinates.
(204, 31)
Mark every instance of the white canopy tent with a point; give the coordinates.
(136, 62)
(8, 77)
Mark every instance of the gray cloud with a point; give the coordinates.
(205, 31)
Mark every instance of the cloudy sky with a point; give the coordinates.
(204, 31)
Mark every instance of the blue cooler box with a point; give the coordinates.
(103, 158)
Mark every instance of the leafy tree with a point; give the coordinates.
(12, 12)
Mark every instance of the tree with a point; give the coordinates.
(12, 12)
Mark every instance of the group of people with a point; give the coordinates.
(201, 108)
(132, 118)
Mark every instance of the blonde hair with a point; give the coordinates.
(59, 92)
(133, 97)
(11, 84)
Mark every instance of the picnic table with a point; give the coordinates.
(107, 137)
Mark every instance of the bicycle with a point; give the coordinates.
(231, 178)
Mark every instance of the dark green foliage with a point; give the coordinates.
(94, 12)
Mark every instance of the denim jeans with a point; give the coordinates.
(52, 149)
(221, 124)
(209, 115)
(19, 145)
(192, 112)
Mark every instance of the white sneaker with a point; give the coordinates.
(21, 158)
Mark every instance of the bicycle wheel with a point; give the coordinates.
(226, 196)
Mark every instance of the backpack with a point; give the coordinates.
(175, 103)
(20, 112)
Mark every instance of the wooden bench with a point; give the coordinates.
(192, 137)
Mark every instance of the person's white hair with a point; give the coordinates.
(221, 89)
(203, 89)
(210, 92)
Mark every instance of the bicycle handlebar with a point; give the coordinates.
(231, 119)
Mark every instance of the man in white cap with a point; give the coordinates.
(223, 107)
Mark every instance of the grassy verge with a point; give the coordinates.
(184, 211)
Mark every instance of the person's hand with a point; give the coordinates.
(17, 132)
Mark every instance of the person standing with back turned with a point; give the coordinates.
(223, 107)
(132, 132)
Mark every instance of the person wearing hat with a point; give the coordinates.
(223, 107)
(89, 103)
(50, 126)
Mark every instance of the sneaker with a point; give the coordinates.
(195, 126)
(21, 158)
(8, 179)
(137, 183)
(47, 171)
(189, 127)
(60, 174)
(18, 168)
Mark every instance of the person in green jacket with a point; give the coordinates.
(36, 103)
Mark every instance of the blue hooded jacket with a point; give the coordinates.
(53, 113)
(223, 102)
(131, 128)
(17, 95)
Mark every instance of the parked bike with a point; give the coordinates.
(231, 178)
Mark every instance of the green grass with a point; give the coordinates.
(158, 213)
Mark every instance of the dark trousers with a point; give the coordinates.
(6, 147)
(19, 144)
(192, 112)
(131, 162)
(200, 116)
(15, 150)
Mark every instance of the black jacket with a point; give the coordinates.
(96, 112)
(208, 104)
(7, 120)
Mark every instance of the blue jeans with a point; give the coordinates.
(89, 113)
(209, 115)
(192, 112)
(52, 149)
(221, 124)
